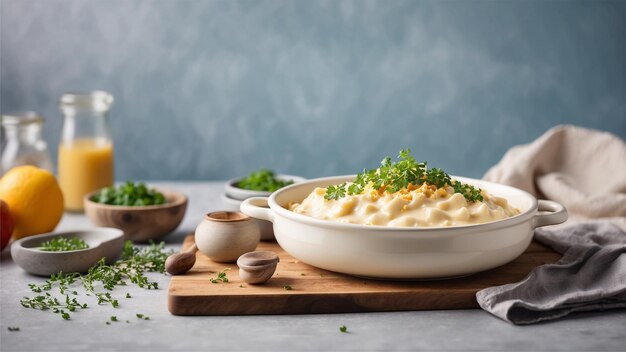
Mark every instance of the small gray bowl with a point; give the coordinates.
(104, 242)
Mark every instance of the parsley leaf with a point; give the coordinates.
(335, 192)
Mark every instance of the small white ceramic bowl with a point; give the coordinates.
(266, 227)
(403, 252)
(235, 192)
(104, 242)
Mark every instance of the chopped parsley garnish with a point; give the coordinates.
(62, 244)
(394, 176)
(287, 288)
(343, 328)
(262, 180)
(129, 193)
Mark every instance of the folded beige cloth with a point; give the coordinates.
(583, 169)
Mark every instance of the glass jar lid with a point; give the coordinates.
(20, 118)
(95, 101)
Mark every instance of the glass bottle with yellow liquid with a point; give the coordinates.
(86, 147)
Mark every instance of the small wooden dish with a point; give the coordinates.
(139, 223)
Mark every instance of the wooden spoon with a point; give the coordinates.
(180, 263)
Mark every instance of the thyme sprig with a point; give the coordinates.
(394, 176)
(132, 265)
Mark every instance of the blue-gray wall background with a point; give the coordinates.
(215, 89)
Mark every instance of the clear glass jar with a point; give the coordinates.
(86, 147)
(22, 143)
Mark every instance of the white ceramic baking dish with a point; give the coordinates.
(403, 253)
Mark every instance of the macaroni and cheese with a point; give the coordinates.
(415, 206)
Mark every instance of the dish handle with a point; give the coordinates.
(556, 213)
(256, 207)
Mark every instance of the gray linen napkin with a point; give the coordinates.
(591, 275)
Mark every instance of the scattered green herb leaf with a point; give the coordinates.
(129, 193)
(62, 244)
(287, 287)
(394, 176)
(113, 318)
(263, 180)
(131, 267)
(128, 295)
(343, 328)
(221, 277)
(140, 316)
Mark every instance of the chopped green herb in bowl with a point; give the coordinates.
(129, 194)
(143, 213)
(263, 180)
(260, 183)
(63, 244)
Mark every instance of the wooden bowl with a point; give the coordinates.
(139, 223)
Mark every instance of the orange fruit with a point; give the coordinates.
(34, 198)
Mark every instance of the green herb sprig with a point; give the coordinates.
(263, 180)
(129, 193)
(62, 244)
(131, 267)
(394, 176)
(221, 277)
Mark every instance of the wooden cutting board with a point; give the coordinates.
(319, 291)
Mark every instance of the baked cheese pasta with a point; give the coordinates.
(414, 206)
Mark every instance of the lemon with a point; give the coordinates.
(34, 198)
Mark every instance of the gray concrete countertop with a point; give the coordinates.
(427, 330)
